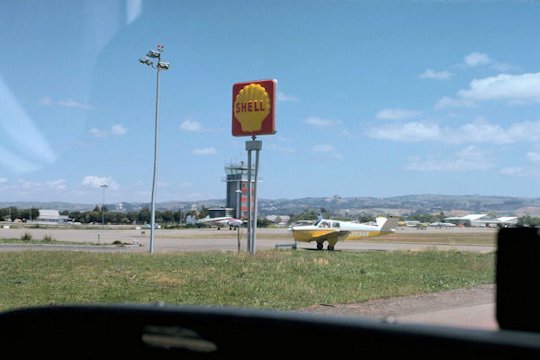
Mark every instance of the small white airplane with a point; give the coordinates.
(441, 224)
(220, 222)
(333, 231)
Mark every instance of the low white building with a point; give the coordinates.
(281, 220)
(51, 217)
(483, 220)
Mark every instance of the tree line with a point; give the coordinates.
(142, 216)
(178, 217)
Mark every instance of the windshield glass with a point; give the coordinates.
(127, 125)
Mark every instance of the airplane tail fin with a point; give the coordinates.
(206, 218)
(388, 224)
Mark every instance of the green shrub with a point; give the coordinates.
(26, 237)
(47, 238)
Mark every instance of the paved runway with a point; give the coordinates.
(211, 239)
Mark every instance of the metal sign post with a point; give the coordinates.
(253, 145)
(248, 242)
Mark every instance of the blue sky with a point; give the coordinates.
(375, 98)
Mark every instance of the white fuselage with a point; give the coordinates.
(334, 230)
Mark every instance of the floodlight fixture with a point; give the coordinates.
(163, 65)
(153, 54)
(145, 61)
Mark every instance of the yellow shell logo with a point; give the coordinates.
(251, 107)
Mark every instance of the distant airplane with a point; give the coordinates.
(220, 222)
(409, 223)
(414, 223)
(441, 224)
(333, 231)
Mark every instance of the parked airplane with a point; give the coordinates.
(414, 223)
(334, 230)
(441, 224)
(220, 222)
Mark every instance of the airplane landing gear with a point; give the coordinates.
(319, 246)
(330, 247)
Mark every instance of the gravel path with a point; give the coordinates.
(426, 308)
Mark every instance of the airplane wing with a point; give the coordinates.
(329, 236)
(215, 220)
(319, 235)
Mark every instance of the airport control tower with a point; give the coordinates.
(237, 179)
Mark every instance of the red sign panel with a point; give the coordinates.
(253, 108)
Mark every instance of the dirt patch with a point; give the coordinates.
(410, 305)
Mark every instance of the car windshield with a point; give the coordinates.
(128, 125)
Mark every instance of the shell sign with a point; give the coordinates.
(253, 108)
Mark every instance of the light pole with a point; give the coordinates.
(154, 54)
(104, 186)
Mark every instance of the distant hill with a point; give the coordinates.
(408, 204)
(346, 206)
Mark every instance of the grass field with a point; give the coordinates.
(277, 279)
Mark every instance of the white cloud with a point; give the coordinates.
(48, 101)
(74, 104)
(204, 151)
(435, 75)
(323, 148)
(98, 133)
(483, 131)
(30, 188)
(412, 131)
(59, 184)
(500, 67)
(191, 126)
(478, 131)
(96, 182)
(477, 59)
(328, 150)
(512, 171)
(468, 159)
(532, 170)
(282, 97)
(28, 185)
(524, 88)
(448, 102)
(320, 122)
(396, 114)
(533, 157)
(519, 171)
(118, 130)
